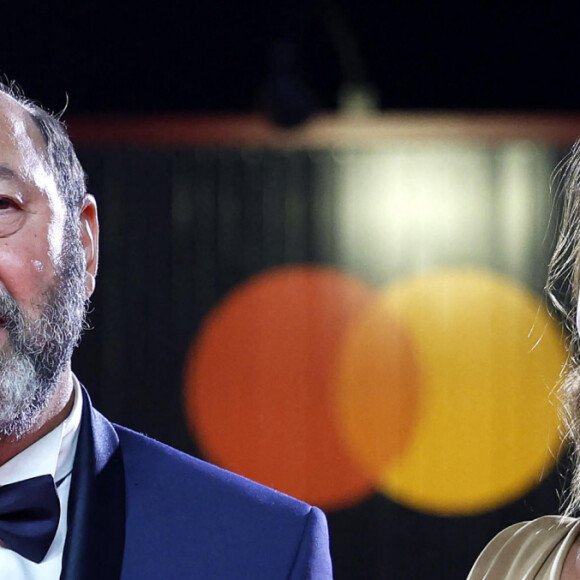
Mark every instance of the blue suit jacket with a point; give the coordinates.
(140, 510)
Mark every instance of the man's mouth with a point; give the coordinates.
(4, 322)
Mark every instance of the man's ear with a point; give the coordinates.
(90, 240)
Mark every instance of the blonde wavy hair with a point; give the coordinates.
(562, 288)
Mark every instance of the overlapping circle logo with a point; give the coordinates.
(434, 390)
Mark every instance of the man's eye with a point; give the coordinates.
(6, 203)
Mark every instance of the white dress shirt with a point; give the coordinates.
(54, 455)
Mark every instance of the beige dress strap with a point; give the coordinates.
(533, 550)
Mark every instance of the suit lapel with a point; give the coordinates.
(96, 508)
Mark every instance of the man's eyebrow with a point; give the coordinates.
(8, 174)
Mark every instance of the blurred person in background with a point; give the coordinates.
(548, 548)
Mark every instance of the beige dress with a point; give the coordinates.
(533, 550)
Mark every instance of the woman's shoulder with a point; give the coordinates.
(531, 549)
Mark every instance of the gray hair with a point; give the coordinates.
(60, 154)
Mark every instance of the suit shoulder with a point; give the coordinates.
(230, 526)
(160, 464)
(529, 549)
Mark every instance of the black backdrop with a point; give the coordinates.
(179, 229)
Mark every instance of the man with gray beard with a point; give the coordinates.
(37, 349)
(81, 498)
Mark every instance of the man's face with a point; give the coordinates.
(42, 275)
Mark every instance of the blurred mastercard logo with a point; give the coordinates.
(437, 390)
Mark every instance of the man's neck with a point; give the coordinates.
(57, 410)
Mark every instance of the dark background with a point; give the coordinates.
(288, 59)
(183, 227)
(224, 55)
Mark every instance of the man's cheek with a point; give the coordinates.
(22, 276)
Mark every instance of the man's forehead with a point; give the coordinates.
(22, 146)
(17, 123)
(23, 149)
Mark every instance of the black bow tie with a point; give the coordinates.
(29, 514)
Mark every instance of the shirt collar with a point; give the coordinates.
(52, 454)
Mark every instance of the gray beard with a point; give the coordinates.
(38, 349)
(22, 397)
